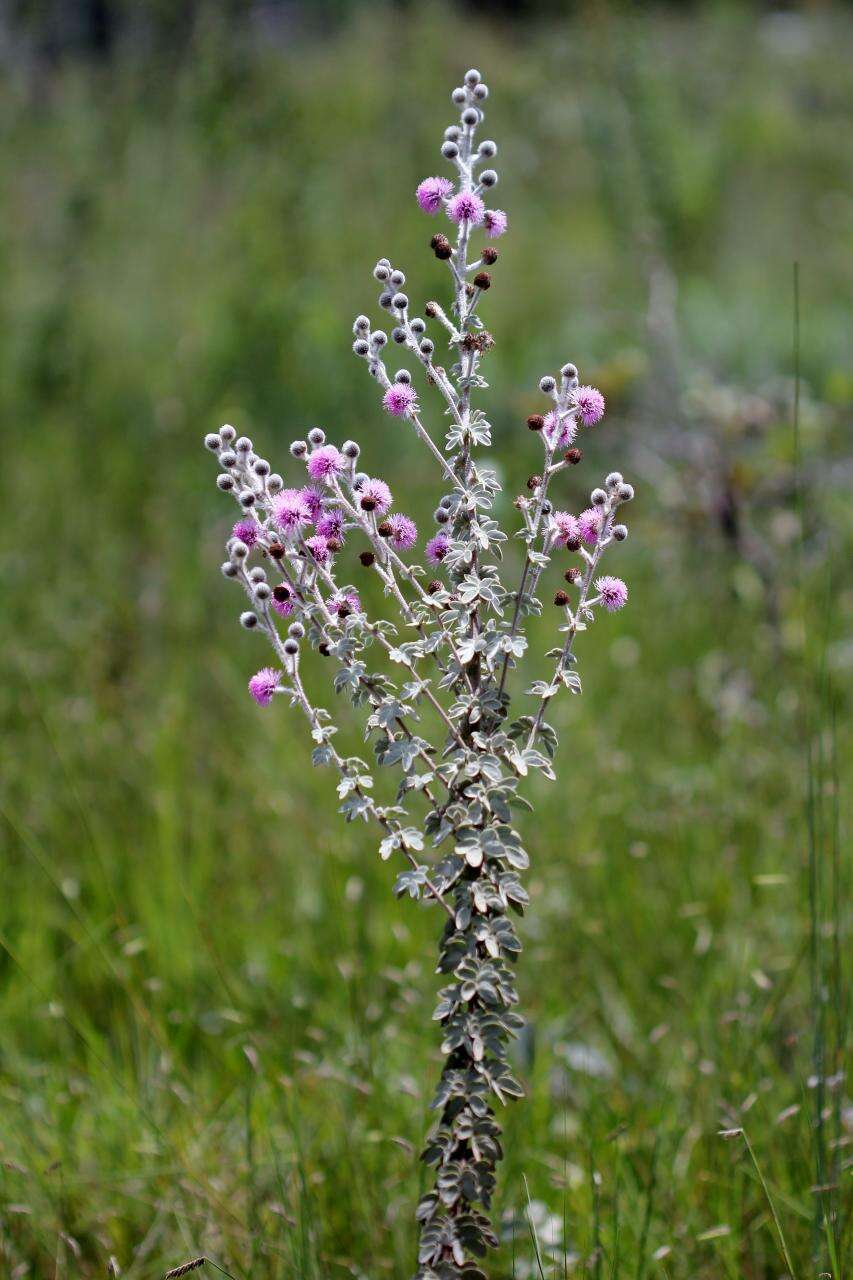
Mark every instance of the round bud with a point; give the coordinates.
(489, 256)
(261, 467)
(368, 504)
(238, 549)
(360, 347)
(472, 77)
(449, 150)
(535, 422)
(380, 271)
(281, 593)
(533, 482)
(573, 456)
(296, 630)
(573, 575)
(487, 149)
(262, 591)
(360, 478)
(433, 587)
(275, 483)
(398, 335)
(247, 499)
(243, 445)
(417, 325)
(362, 324)
(228, 458)
(367, 558)
(403, 375)
(620, 532)
(442, 515)
(298, 449)
(350, 450)
(481, 92)
(316, 436)
(483, 280)
(379, 338)
(431, 308)
(213, 441)
(224, 483)
(385, 528)
(229, 570)
(397, 279)
(258, 574)
(489, 178)
(385, 299)
(547, 384)
(458, 96)
(614, 480)
(573, 543)
(291, 647)
(598, 497)
(399, 302)
(442, 248)
(569, 371)
(561, 598)
(427, 347)
(227, 433)
(276, 549)
(248, 620)
(470, 116)
(547, 507)
(447, 501)
(452, 133)
(625, 492)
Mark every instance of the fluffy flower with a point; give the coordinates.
(345, 600)
(331, 525)
(291, 510)
(613, 592)
(399, 399)
(562, 438)
(284, 608)
(377, 492)
(247, 531)
(495, 222)
(314, 499)
(567, 526)
(319, 548)
(432, 192)
(325, 462)
(589, 403)
(589, 523)
(263, 685)
(436, 549)
(466, 207)
(404, 532)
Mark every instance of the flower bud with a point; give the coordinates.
(614, 480)
(481, 92)
(276, 550)
(397, 279)
(533, 482)
(547, 384)
(573, 456)
(227, 434)
(247, 499)
(398, 335)
(620, 532)
(379, 338)
(399, 302)
(258, 574)
(212, 441)
(224, 482)
(470, 117)
(262, 591)
(227, 458)
(362, 325)
(487, 149)
(316, 436)
(359, 479)
(417, 325)
(367, 558)
(296, 630)
(360, 347)
(385, 299)
(243, 445)
(535, 422)
(573, 543)
(483, 280)
(547, 507)
(489, 256)
(561, 598)
(625, 492)
(384, 528)
(291, 647)
(433, 587)
(427, 347)
(598, 497)
(489, 178)
(248, 620)
(381, 272)
(442, 515)
(573, 575)
(449, 150)
(458, 97)
(229, 570)
(403, 375)
(447, 501)
(275, 483)
(441, 247)
(281, 593)
(569, 371)
(350, 450)
(261, 468)
(238, 549)
(452, 133)
(298, 449)
(472, 77)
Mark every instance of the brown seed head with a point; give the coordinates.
(281, 593)
(276, 550)
(368, 504)
(573, 544)
(572, 575)
(323, 649)
(483, 280)
(489, 256)
(430, 310)
(535, 422)
(573, 456)
(433, 586)
(533, 482)
(384, 529)
(561, 598)
(367, 558)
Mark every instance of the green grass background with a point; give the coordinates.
(216, 1018)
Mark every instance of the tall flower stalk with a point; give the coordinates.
(445, 659)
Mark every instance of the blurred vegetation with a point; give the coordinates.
(216, 1018)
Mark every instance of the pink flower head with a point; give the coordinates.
(247, 531)
(431, 192)
(399, 399)
(345, 600)
(284, 608)
(291, 510)
(436, 548)
(404, 532)
(613, 592)
(319, 548)
(589, 403)
(466, 207)
(589, 523)
(378, 494)
(331, 525)
(568, 429)
(567, 527)
(263, 685)
(325, 462)
(314, 498)
(496, 223)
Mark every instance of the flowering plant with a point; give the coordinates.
(458, 635)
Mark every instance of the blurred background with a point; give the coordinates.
(216, 1018)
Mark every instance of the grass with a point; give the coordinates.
(217, 1038)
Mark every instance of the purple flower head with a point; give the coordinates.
(589, 523)
(345, 600)
(284, 608)
(613, 592)
(431, 193)
(314, 498)
(466, 207)
(263, 685)
(331, 525)
(247, 531)
(291, 510)
(568, 429)
(404, 532)
(377, 492)
(567, 526)
(436, 548)
(325, 462)
(495, 222)
(319, 548)
(399, 399)
(589, 403)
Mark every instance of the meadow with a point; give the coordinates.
(216, 1017)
